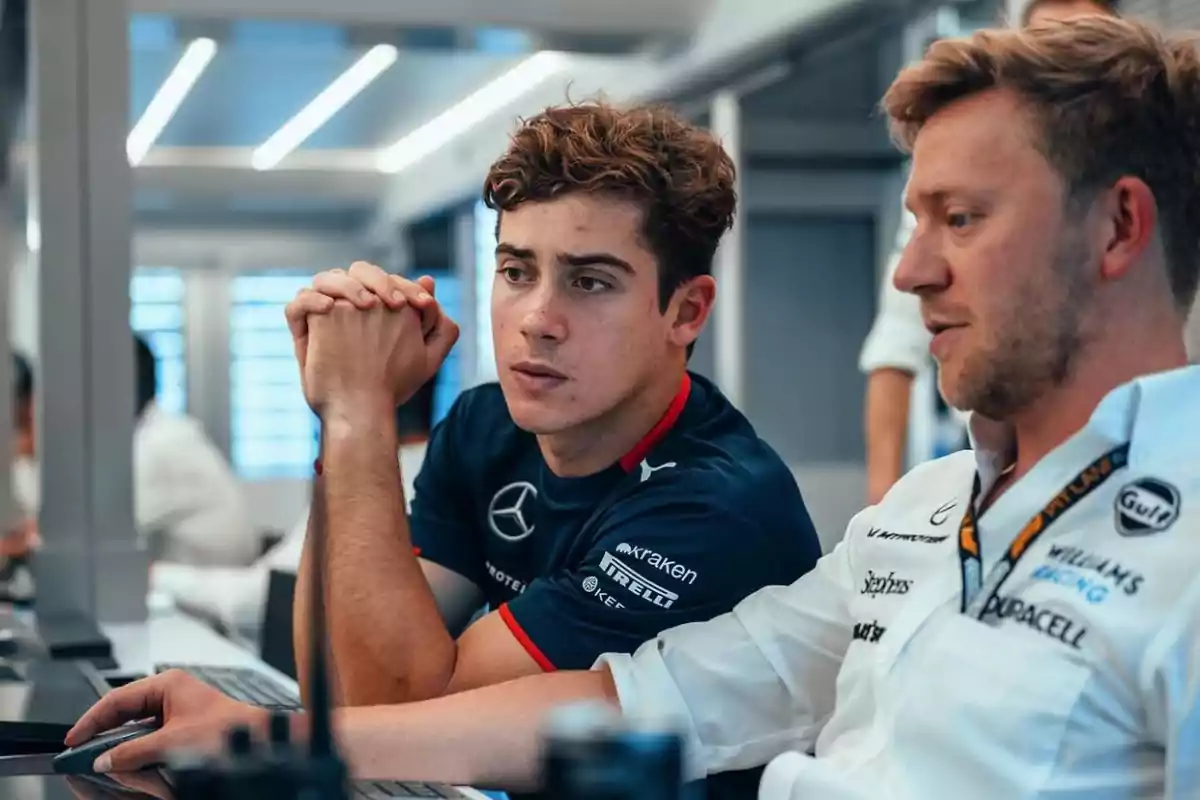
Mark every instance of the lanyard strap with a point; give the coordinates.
(975, 600)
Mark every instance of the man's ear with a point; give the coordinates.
(1129, 220)
(689, 309)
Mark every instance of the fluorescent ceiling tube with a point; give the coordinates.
(471, 111)
(343, 89)
(168, 99)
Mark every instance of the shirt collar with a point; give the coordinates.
(1143, 412)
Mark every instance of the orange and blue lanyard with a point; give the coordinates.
(978, 593)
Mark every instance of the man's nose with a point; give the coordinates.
(544, 318)
(922, 267)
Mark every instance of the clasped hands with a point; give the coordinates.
(367, 340)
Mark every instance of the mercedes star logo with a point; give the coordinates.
(506, 512)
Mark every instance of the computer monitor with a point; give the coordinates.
(275, 637)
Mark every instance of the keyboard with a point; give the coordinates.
(401, 790)
(243, 684)
(250, 686)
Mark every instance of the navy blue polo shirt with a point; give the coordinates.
(699, 515)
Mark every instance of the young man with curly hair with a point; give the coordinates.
(595, 496)
(1017, 622)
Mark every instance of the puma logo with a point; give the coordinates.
(648, 470)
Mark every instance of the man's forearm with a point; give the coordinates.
(886, 428)
(388, 639)
(489, 737)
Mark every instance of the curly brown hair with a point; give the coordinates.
(678, 174)
(1108, 98)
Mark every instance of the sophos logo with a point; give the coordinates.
(620, 572)
(884, 584)
(648, 556)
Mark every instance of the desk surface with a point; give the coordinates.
(146, 786)
(170, 636)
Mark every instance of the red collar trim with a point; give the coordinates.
(634, 457)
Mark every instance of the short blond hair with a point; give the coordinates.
(1108, 98)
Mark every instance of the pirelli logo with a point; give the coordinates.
(634, 583)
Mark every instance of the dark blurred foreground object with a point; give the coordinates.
(593, 753)
(14, 49)
(281, 770)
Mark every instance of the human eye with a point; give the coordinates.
(959, 219)
(513, 271)
(590, 284)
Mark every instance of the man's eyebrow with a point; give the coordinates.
(568, 259)
(592, 259)
(516, 252)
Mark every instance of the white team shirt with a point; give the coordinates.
(1087, 687)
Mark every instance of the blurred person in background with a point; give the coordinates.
(1037, 637)
(896, 350)
(234, 596)
(25, 467)
(188, 505)
(21, 539)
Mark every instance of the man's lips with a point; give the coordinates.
(537, 370)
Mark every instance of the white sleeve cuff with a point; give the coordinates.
(646, 693)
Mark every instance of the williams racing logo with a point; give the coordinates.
(635, 584)
(1146, 506)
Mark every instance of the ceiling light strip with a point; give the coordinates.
(168, 98)
(472, 110)
(322, 108)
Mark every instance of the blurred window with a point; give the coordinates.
(156, 313)
(273, 433)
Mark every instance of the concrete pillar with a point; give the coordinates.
(81, 193)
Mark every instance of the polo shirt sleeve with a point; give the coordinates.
(662, 557)
(756, 683)
(440, 517)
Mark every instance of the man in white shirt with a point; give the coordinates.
(896, 350)
(1019, 622)
(188, 504)
(235, 596)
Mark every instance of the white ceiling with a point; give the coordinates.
(653, 17)
(274, 56)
